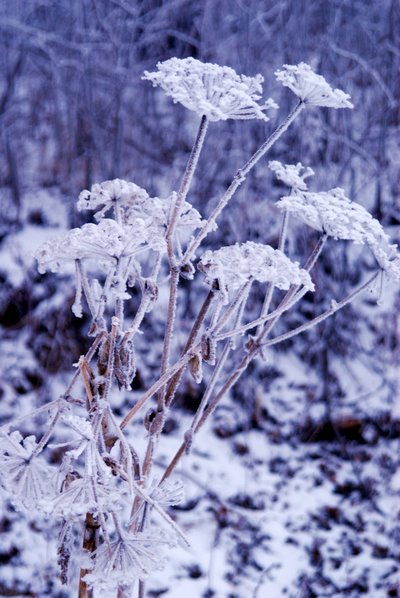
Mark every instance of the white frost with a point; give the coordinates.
(310, 88)
(334, 214)
(293, 175)
(217, 92)
(234, 265)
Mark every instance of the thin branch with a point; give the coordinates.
(238, 180)
(169, 237)
(326, 314)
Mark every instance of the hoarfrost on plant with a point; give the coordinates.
(334, 214)
(168, 493)
(25, 476)
(81, 496)
(145, 215)
(145, 220)
(293, 175)
(310, 88)
(235, 265)
(214, 91)
(107, 195)
(127, 558)
(105, 241)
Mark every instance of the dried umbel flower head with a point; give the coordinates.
(108, 240)
(234, 265)
(127, 558)
(334, 214)
(216, 92)
(135, 208)
(83, 495)
(105, 196)
(102, 242)
(310, 88)
(28, 478)
(293, 175)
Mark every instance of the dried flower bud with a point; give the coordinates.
(149, 418)
(151, 289)
(187, 271)
(209, 349)
(196, 367)
(125, 364)
(102, 361)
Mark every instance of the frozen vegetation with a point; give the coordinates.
(199, 350)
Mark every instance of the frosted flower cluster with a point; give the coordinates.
(83, 495)
(144, 220)
(392, 267)
(292, 175)
(26, 477)
(310, 88)
(104, 241)
(126, 559)
(104, 196)
(138, 210)
(333, 213)
(155, 213)
(217, 92)
(234, 265)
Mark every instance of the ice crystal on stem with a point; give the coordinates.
(234, 265)
(214, 91)
(292, 175)
(310, 88)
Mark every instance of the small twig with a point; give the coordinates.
(45, 438)
(260, 321)
(155, 388)
(326, 314)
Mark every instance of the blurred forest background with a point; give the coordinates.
(74, 111)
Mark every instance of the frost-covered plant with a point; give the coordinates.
(292, 175)
(310, 88)
(332, 213)
(215, 91)
(105, 484)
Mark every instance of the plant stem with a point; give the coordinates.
(326, 314)
(158, 384)
(173, 385)
(111, 356)
(261, 320)
(238, 180)
(45, 438)
(89, 544)
(169, 237)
